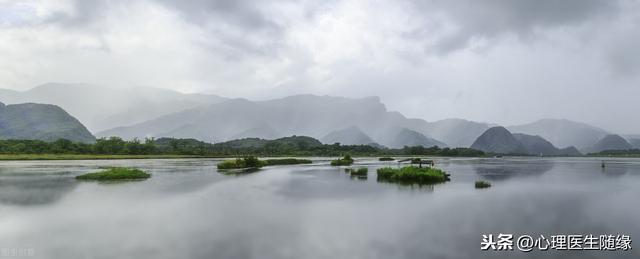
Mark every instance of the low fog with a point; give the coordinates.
(503, 62)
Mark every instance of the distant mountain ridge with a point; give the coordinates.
(562, 133)
(610, 142)
(320, 117)
(499, 140)
(40, 122)
(456, 132)
(101, 108)
(410, 138)
(153, 112)
(348, 136)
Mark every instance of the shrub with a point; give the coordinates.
(482, 184)
(386, 159)
(410, 174)
(346, 160)
(360, 171)
(116, 173)
(288, 161)
(239, 163)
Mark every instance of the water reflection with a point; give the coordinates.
(614, 170)
(34, 190)
(504, 169)
(189, 210)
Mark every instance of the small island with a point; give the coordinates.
(386, 158)
(344, 161)
(360, 172)
(288, 161)
(249, 162)
(116, 174)
(411, 174)
(242, 163)
(482, 184)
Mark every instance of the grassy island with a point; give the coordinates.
(359, 172)
(288, 161)
(254, 162)
(242, 163)
(115, 174)
(411, 174)
(386, 158)
(346, 160)
(482, 184)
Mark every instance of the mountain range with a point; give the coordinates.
(332, 119)
(101, 108)
(499, 140)
(563, 133)
(610, 142)
(151, 112)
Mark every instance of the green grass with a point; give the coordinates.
(359, 172)
(241, 163)
(482, 184)
(386, 158)
(344, 161)
(411, 174)
(288, 161)
(114, 174)
(10, 157)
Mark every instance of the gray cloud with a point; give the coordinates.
(504, 61)
(492, 18)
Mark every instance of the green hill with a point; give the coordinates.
(41, 122)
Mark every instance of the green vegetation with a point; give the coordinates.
(254, 162)
(618, 153)
(12, 157)
(289, 146)
(359, 172)
(482, 184)
(411, 174)
(241, 163)
(44, 122)
(346, 160)
(115, 174)
(288, 161)
(386, 158)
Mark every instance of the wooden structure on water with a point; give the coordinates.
(419, 162)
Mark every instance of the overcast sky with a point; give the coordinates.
(500, 61)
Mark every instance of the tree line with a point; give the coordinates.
(291, 146)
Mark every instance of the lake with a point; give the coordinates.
(189, 210)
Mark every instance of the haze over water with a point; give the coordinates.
(189, 210)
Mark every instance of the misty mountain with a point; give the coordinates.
(40, 122)
(101, 108)
(500, 141)
(347, 136)
(563, 133)
(536, 145)
(407, 137)
(291, 142)
(456, 132)
(635, 142)
(308, 115)
(610, 142)
(261, 130)
(570, 151)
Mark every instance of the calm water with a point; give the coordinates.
(189, 210)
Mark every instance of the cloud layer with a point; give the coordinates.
(497, 60)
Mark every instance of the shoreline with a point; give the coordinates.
(44, 157)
